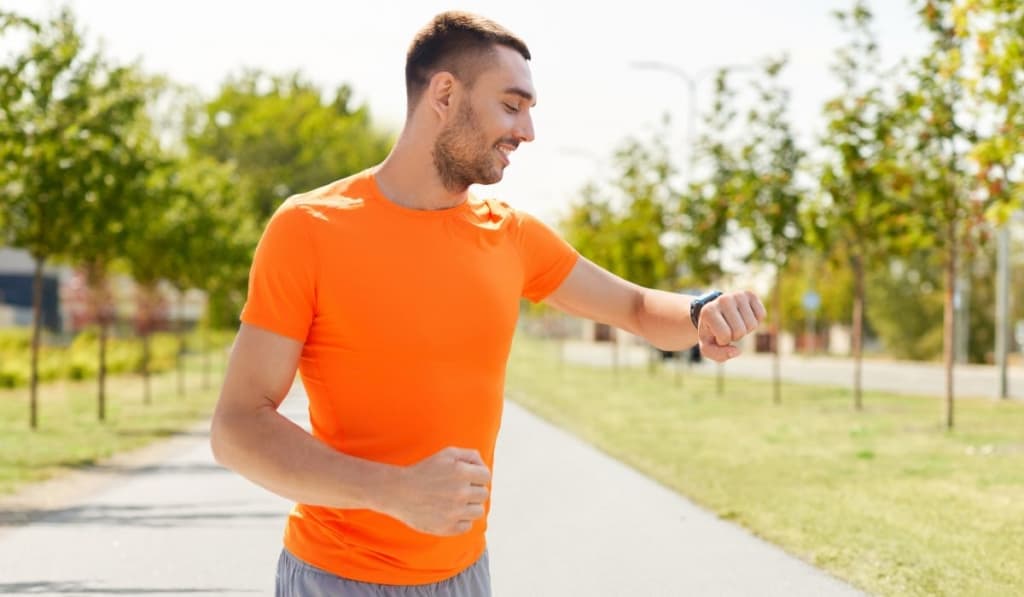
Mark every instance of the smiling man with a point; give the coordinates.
(395, 294)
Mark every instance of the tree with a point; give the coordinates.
(214, 235)
(769, 200)
(45, 139)
(284, 137)
(623, 227)
(112, 174)
(707, 211)
(643, 185)
(591, 226)
(994, 82)
(153, 249)
(857, 218)
(187, 228)
(12, 138)
(934, 130)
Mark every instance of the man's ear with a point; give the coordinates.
(443, 85)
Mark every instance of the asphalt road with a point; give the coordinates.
(903, 377)
(566, 520)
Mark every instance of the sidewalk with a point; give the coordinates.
(566, 520)
(902, 377)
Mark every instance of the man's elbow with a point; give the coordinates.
(221, 440)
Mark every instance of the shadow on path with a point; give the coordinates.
(151, 516)
(78, 587)
(185, 468)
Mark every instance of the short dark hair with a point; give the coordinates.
(458, 42)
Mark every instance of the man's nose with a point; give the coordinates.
(525, 129)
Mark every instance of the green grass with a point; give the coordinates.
(886, 499)
(69, 434)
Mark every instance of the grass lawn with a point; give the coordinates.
(886, 499)
(69, 434)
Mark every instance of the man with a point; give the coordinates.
(395, 293)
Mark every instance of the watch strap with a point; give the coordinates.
(698, 303)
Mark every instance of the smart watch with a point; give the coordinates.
(698, 303)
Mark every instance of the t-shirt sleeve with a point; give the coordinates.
(547, 257)
(282, 280)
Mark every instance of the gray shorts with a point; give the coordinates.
(296, 578)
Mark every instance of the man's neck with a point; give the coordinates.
(408, 178)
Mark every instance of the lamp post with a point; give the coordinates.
(691, 82)
(1003, 298)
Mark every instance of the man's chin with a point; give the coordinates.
(494, 178)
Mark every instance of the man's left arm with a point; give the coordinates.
(662, 318)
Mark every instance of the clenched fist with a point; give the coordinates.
(724, 321)
(444, 493)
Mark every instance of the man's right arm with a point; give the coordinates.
(442, 494)
(250, 436)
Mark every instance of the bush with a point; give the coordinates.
(13, 372)
(198, 340)
(80, 360)
(15, 340)
(16, 368)
(163, 352)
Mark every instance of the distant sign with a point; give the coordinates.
(811, 301)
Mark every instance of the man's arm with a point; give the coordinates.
(662, 318)
(442, 494)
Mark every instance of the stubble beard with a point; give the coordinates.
(462, 155)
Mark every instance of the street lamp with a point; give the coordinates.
(691, 82)
(1003, 302)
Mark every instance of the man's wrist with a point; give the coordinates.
(381, 483)
(698, 304)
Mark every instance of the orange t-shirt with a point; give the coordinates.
(406, 319)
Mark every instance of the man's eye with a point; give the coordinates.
(511, 108)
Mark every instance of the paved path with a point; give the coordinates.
(906, 377)
(567, 520)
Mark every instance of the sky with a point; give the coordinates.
(590, 97)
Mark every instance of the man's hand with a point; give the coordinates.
(724, 321)
(442, 494)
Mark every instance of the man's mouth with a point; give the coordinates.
(505, 149)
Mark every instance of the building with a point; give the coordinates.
(16, 280)
(67, 304)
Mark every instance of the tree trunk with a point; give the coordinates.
(777, 359)
(147, 395)
(858, 331)
(96, 281)
(37, 324)
(181, 343)
(101, 376)
(1003, 308)
(948, 322)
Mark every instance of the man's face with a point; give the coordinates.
(492, 119)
